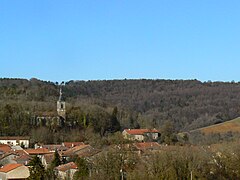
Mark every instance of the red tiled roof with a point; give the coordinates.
(23, 157)
(140, 131)
(76, 149)
(89, 153)
(5, 148)
(72, 144)
(146, 145)
(14, 137)
(68, 166)
(21, 152)
(9, 167)
(53, 147)
(37, 151)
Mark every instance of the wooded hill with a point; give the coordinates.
(188, 104)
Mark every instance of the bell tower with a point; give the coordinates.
(61, 108)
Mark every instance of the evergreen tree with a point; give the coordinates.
(167, 133)
(133, 124)
(84, 121)
(115, 125)
(56, 160)
(37, 170)
(83, 170)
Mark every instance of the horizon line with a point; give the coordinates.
(122, 79)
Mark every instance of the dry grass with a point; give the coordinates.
(232, 125)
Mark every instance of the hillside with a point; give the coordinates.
(232, 125)
(187, 104)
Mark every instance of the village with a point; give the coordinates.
(16, 152)
(132, 154)
(119, 90)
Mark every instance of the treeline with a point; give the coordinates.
(176, 162)
(193, 162)
(79, 124)
(121, 161)
(187, 104)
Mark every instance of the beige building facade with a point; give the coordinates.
(14, 171)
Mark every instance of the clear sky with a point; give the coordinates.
(61, 40)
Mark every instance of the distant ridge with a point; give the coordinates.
(187, 104)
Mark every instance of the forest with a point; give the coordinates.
(106, 106)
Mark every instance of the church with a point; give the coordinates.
(61, 106)
(48, 120)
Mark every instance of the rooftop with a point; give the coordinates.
(140, 131)
(53, 147)
(68, 166)
(76, 149)
(49, 158)
(14, 138)
(37, 151)
(23, 157)
(5, 148)
(9, 167)
(72, 144)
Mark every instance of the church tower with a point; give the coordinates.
(61, 108)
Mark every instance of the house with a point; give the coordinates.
(66, 171)
(81, 151)
(23, 159)
(55, 147)
(41, 153)
(38, 152)
(15, 140)
(15, 157)
(77, 150)
(17, 148)
(47, 159)
(72, 144)
(147, 146)
(141, 134)
(8, 158)
(14, 171)
(4, 148)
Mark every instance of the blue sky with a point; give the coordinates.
(61, 40)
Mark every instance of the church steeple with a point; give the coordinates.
(60, 94)
(61, 105)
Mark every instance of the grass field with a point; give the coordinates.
(232, 125)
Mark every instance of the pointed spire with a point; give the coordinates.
(60, 94)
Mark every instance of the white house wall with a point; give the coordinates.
(24, 142)
(16, 142)
(12, 142)
(3, 176)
